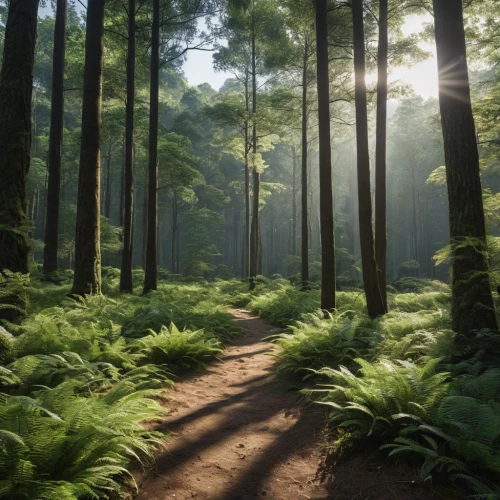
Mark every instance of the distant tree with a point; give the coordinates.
(55, 141)
(87, 279)
(151, 276)
(381, 154)
(374, 300)
(325, 160)
(472, 303)
(177, 175)
(128, 173)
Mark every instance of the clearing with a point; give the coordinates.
(238, 431)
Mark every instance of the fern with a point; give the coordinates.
(75, 445)
(177, 350)
(369, 404)
(315, 342)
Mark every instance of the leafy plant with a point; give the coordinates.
(61, 445)
(370, 404)
(315, 342)
(175, 349)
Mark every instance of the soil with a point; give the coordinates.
(239, 431)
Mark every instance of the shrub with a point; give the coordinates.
(177, 350)
(372, 403)
(60, 445)
(316, 342)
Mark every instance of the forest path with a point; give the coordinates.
(239, 432)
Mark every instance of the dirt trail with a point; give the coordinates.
(240, 432)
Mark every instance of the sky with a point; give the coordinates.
(422, 76)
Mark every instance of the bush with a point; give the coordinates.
(74, 401)
(316, 342)
(176, 350)
(372, 403)
(58, 444)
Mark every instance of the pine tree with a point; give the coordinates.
(128, 198)
(55, 140)
(151, 276)
(381, 154)
(472, 303)
(87, 279)
(325, 161)
(374, 301)
(16, 82)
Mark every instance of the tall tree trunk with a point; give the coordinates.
(246, 247)
(16, 84)
(374, 301)
(107, 199)
(144, 220)
(174, 232)
(325, 161)
(472, 303)
(87, 279)
(236, 222)
(254, 236)
(294, 201)
(128, 173)
(381, 155)
(259, 249)
(43, 207)
(414, 231)
(151, 277)
(121, 208)
(304, 178)
(55, 140)
(177, 249)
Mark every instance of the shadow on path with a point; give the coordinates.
(239, 432)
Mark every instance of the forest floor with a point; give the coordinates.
(238, 431)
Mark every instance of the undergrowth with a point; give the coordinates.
(84, 375)
(400, 383)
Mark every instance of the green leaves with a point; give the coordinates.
(177, 350)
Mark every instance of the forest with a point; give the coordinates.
(283, 281)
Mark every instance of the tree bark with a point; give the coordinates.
(304, 180)
(374, 301)
(15, 130)
(151, 277)
(259, 249)
(128, 173)
(144, 220)
(381, 155)
(236, 223)
(294, 201)
(16, 82)
(87, 279)
(174, 232)
(254, 236)
(107, 199)
(55, 140)
(472, 303)
(325, 161)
